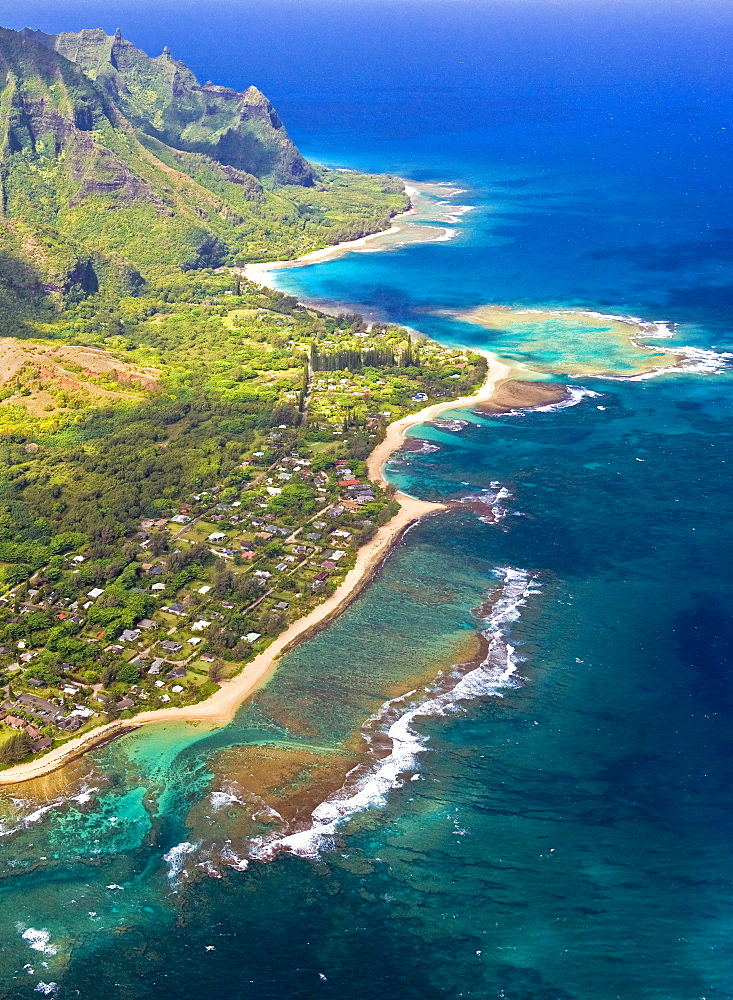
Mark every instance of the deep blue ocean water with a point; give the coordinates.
(568, 834)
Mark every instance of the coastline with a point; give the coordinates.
(220, 708)
(259, 273)
(394, 438)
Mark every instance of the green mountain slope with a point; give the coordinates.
(116, 168)
(163, 98)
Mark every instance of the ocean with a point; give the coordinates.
(504, 771)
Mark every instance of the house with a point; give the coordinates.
(282, 606)
(171, 647)
(155, 571)
(194, 640)
(77, 559)
(155, 666)
(178, 672)
(70, 724)
(38, 745)
(208, 657)
(176, 609)
(205, 589)
(321, 577)
(180, 519)
(130, 635)
(158, 586)
(200, 625)
(328, 564)
(217, 536)
(33, 733)
(252, 636)
(176, 689)
(95, 592)
(266, 535)
(124, 703)
(36, 704)
(14, 722)
(281, 566)
(146, 623)
(335, 511)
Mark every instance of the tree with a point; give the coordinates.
(272, 623)
(15, 748)
(158, 543)
(242, 650)
(216, 671)
(223, 578)
(128, 673)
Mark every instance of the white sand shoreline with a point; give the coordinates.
(261, 273)
(220, 708)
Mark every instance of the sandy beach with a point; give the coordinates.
(261, 274)
(421, 210)
(220, 708)
(395, 436)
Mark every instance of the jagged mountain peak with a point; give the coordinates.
(162, 98)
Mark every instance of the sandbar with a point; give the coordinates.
(514, 394)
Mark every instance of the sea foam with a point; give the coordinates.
(368, 785)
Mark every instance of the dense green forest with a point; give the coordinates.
(117, 169)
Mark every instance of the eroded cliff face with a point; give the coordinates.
(117, 167)
(161, 97)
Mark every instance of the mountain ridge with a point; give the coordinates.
(163, 98)
(101, 191)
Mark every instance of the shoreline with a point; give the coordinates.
(220, 707)
(261, 273)
(497, 372)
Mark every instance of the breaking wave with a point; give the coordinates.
(367, 785)
(576, 393)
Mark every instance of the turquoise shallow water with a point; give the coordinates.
(564, 824)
